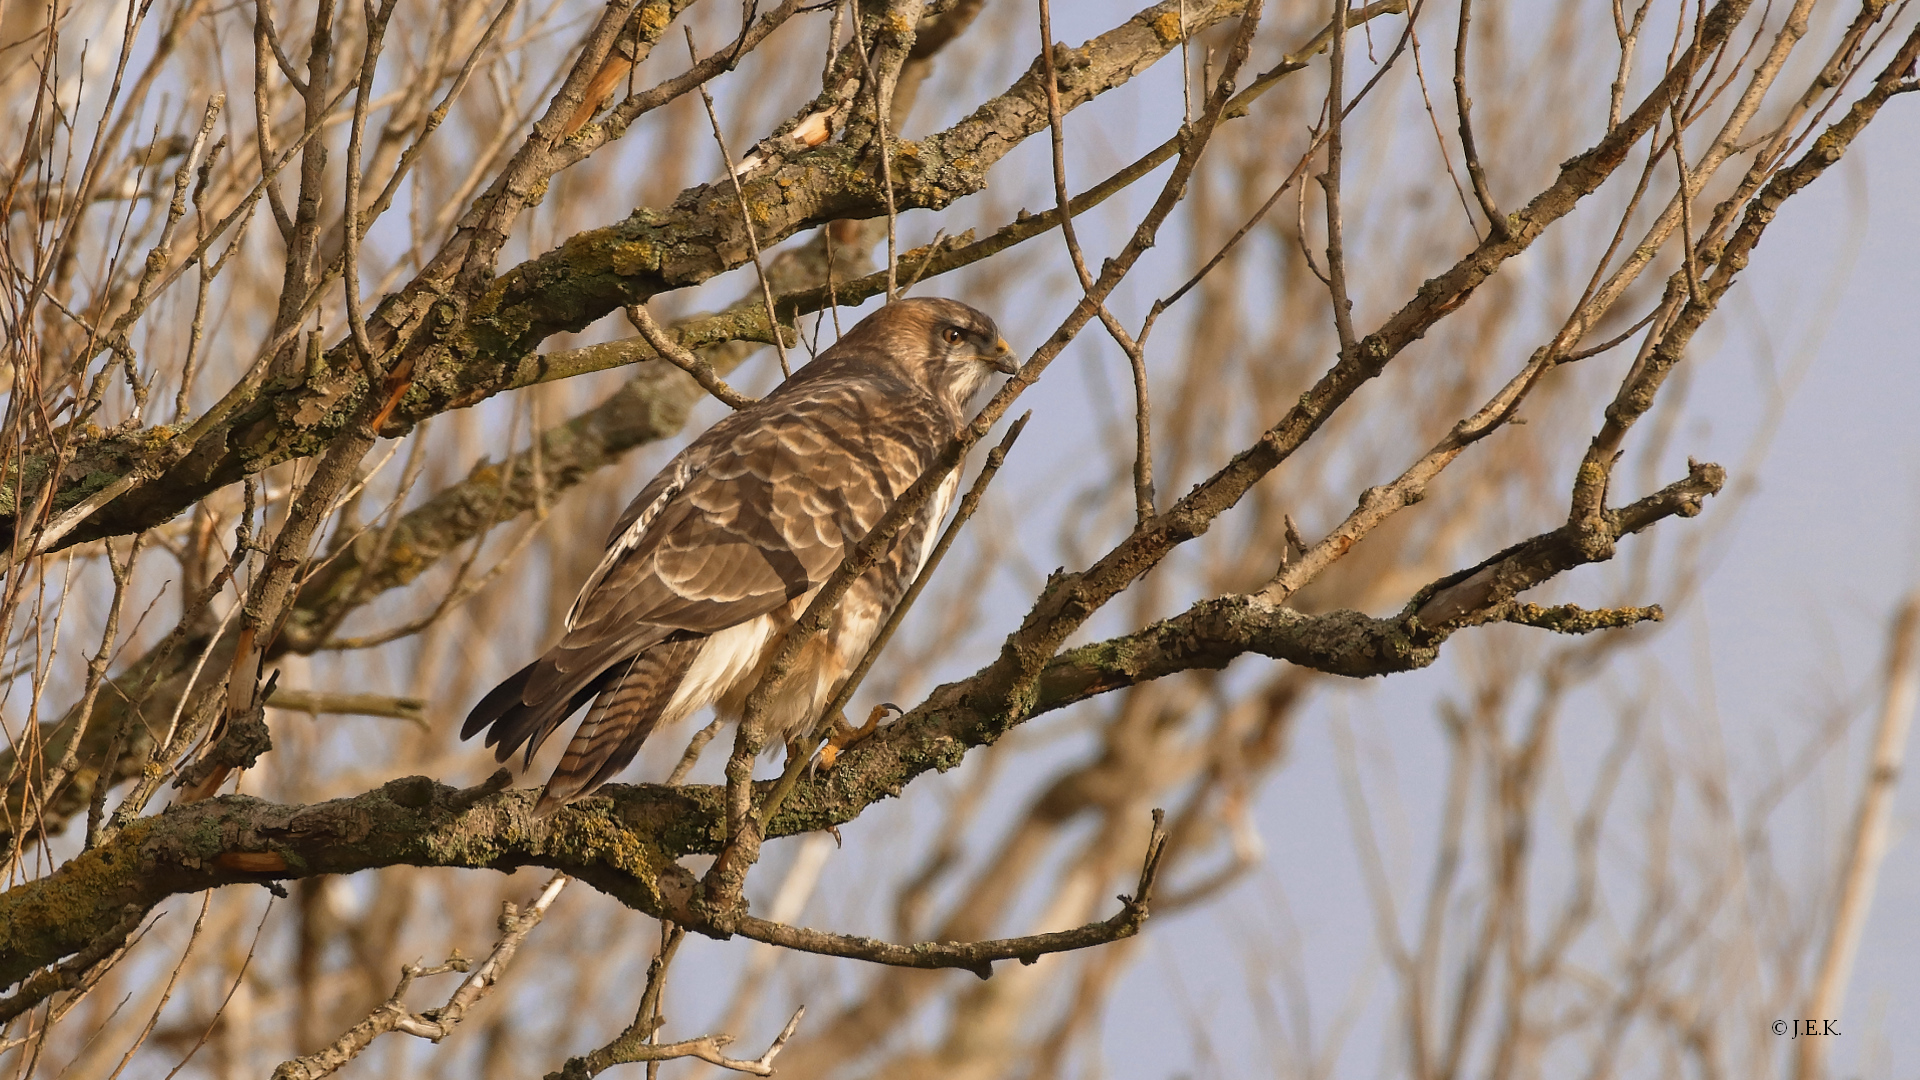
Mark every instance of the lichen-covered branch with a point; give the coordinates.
(653, 404)
(625, 841)
(1069, 599)
(461, 348)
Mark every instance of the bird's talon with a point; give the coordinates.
(845, 735)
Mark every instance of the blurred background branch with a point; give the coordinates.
(377, 257)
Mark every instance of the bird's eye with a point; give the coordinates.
(952, 334)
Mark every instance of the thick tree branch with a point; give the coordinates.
(1070, 599)
(462, 347)
(654, 404)
(625, 840)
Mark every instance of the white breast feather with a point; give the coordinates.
(725, 659)
(942, 499)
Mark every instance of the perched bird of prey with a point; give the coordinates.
(722, 551)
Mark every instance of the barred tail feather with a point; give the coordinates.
(630, 704)
(510, 719)
(532, 702)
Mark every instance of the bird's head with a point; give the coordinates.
(945, 345)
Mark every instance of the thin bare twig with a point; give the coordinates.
(880, 106)
(350, 227)
(636, 1043)
(1689, 261)
(1135, 353)
(701, 371)
(1613, 342)
(976, 956)
(96, 668)
(320, 702)
(1336, 279)
(1496, 221)
(711, 1049)
(746, 218)
(238, 977)
(691, 754)
(1433, 119)
(436, 1024)
(166, 992)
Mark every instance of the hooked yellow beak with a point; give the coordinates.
(1003, 361)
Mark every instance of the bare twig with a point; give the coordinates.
(1496, 221)
(636, 1044)
(350, 252)
(691, 754)
(1136, 355)
(1330, 182)
(880, 95)
(435, 1024)
(1629, 37)
(1689, 260)
(317, 702)
(1433, 120)
(710, 1049)
(977, 956)
(1613, 342)
(746, 218)
(173, 977)
(96, 669)
(701, 371)
(239, 977)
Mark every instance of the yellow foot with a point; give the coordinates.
(845, 735)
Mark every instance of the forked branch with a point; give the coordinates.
(975, 956)
(434, 1024)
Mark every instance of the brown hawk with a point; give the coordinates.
(722, 551)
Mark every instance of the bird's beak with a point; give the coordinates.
(1003, 361)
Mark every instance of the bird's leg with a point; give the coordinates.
(845, 735)
(796, 747)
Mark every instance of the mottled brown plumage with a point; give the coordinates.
(723, 550)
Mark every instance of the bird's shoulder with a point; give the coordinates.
(838, 429)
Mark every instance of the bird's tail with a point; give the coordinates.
(529, 704)
(633, 698)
